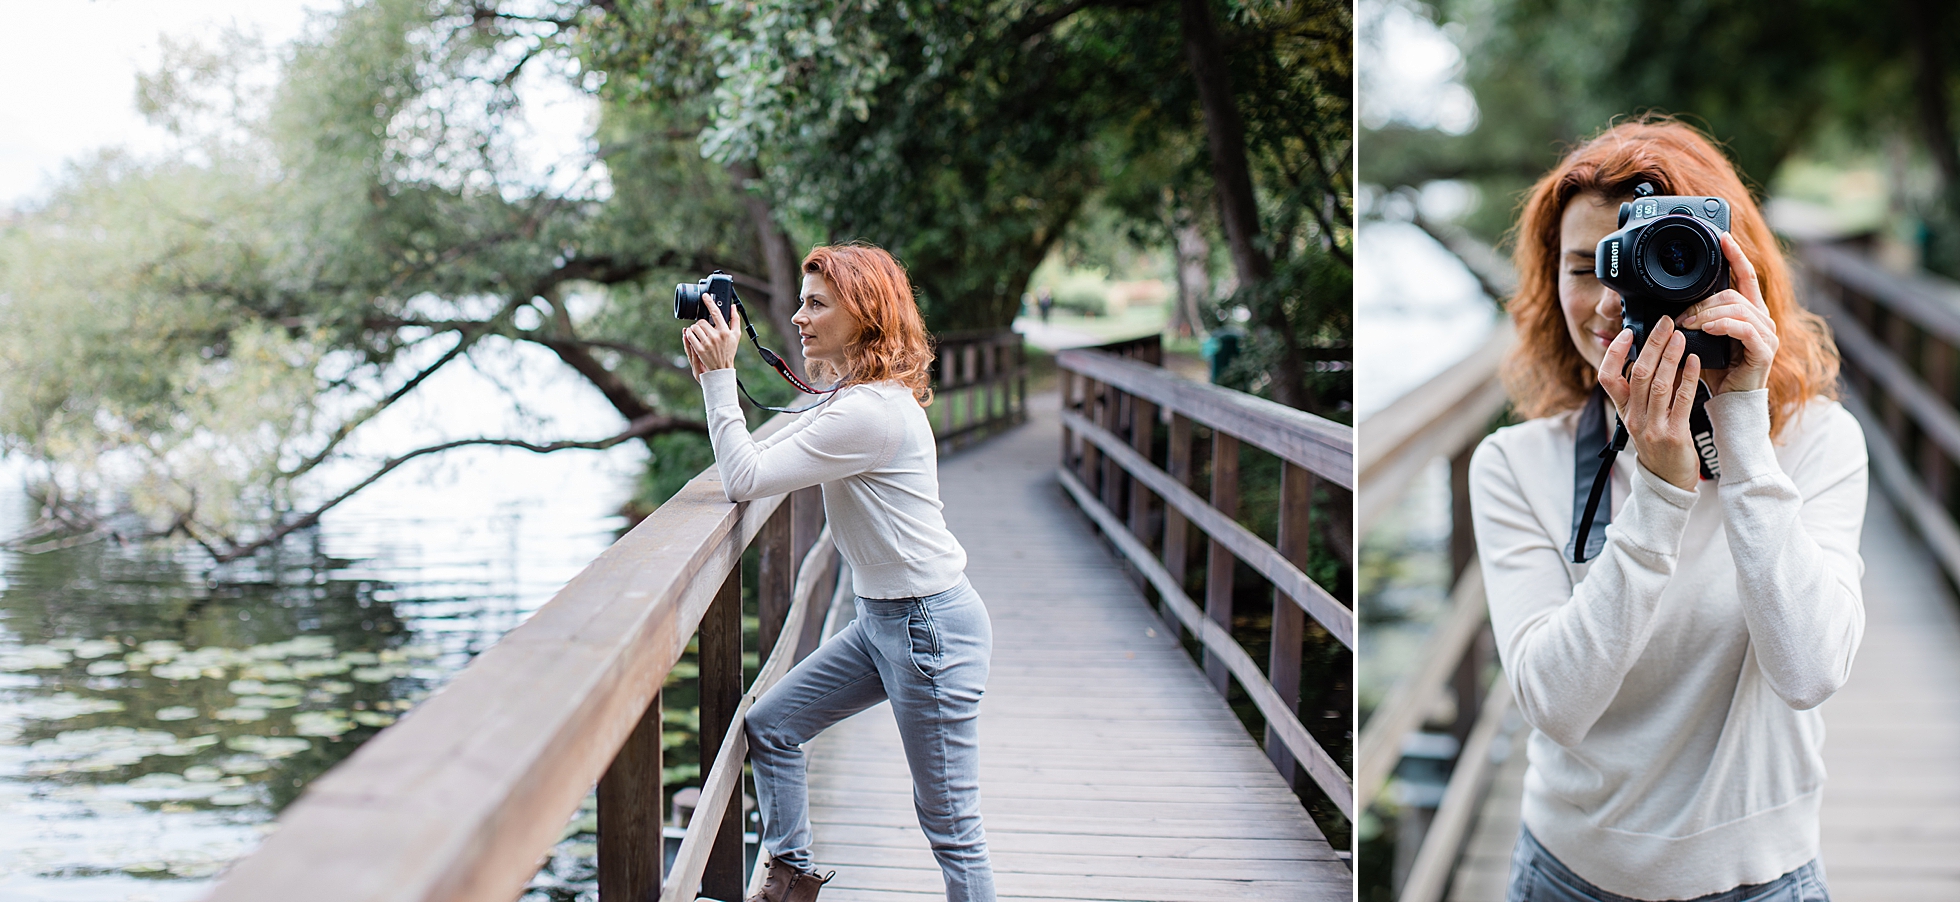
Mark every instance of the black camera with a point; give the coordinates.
(1666, 256)
(719, 285)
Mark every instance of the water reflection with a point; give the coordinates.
(155, 717)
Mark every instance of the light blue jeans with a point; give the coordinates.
(928, 656)
(1538, 877)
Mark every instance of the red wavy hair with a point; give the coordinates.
(1545, 373)
(891, 342)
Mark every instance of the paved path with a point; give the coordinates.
(1109, 769)
(1891, 820)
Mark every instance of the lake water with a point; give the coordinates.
(155, 716)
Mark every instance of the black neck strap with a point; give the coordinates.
(1592, 483)
(1592, 472)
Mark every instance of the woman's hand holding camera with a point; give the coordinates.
(1738, 313)
(1654, 397)
(710, 342)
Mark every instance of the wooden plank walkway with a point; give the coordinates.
(1109, 767)
(1891, 820)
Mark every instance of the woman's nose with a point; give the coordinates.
(1609, 304)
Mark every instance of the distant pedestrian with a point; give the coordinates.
(1045, 301)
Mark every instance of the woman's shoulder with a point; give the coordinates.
(1533, 437)
(1825, 424)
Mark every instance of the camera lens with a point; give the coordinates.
(687, 301)
(1675, 256)
(1677, 259)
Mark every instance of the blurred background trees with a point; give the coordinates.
(1799, 94)
(204, 334)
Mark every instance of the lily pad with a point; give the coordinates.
(373, 718)
(234, 797)
(176, 712)
(321, 723)
(65, 705)
(107, 668)
(95, 648)
(271, 747)
(34, 657)
(203, 773)
(241, 714)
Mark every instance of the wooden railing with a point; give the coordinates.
(463, 797)
(1111, 406)
(1444, 418)
(1899, 338)
(980, 383)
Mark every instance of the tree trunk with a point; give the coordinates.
(785, 266)
(1225, 133)
(1193, 275)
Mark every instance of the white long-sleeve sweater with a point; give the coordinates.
(1672, 682)
(872, 449)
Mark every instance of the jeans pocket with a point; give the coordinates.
(922, 636)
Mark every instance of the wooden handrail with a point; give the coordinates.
(1324, 447)
(1318, 764)
(1402, 710)
(1444, 418)
(1429, 875)
(1108, 443)
(1897, 402)
(725, 776)
(1437, 419)
(462, 797)
(980, 384)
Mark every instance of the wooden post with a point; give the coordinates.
(1933, 465)
(1463, 536)
(1143, 422)
(775, 578)
(1091, 456)
(721, 693)
(1020, 378)
(1289, 621)
(946, 383)
(1066, 386)
(1219, 564)
(631, 849)
(806, 523)
(1177, 531)
(1112, 475)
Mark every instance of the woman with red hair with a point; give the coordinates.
(1671, 678)
(921, 637)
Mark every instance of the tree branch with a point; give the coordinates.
(643, 427)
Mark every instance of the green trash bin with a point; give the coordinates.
(1219, 350)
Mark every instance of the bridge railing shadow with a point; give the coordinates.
(1113, 399)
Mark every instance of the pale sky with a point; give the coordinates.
(70, 75)
(70, 70)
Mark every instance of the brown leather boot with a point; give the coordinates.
(804, 886)
(784, 883)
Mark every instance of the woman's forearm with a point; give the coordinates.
(847, 437)
(1795, 546)
(1567, 648)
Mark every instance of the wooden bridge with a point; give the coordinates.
(1890, 829)
(1111, 767)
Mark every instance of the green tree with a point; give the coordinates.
(1769, 80)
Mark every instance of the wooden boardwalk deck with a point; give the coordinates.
(1109, 768)
(1891, 820)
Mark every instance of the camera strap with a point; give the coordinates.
(782, 369)
(1591, 503)
(1597, 508)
